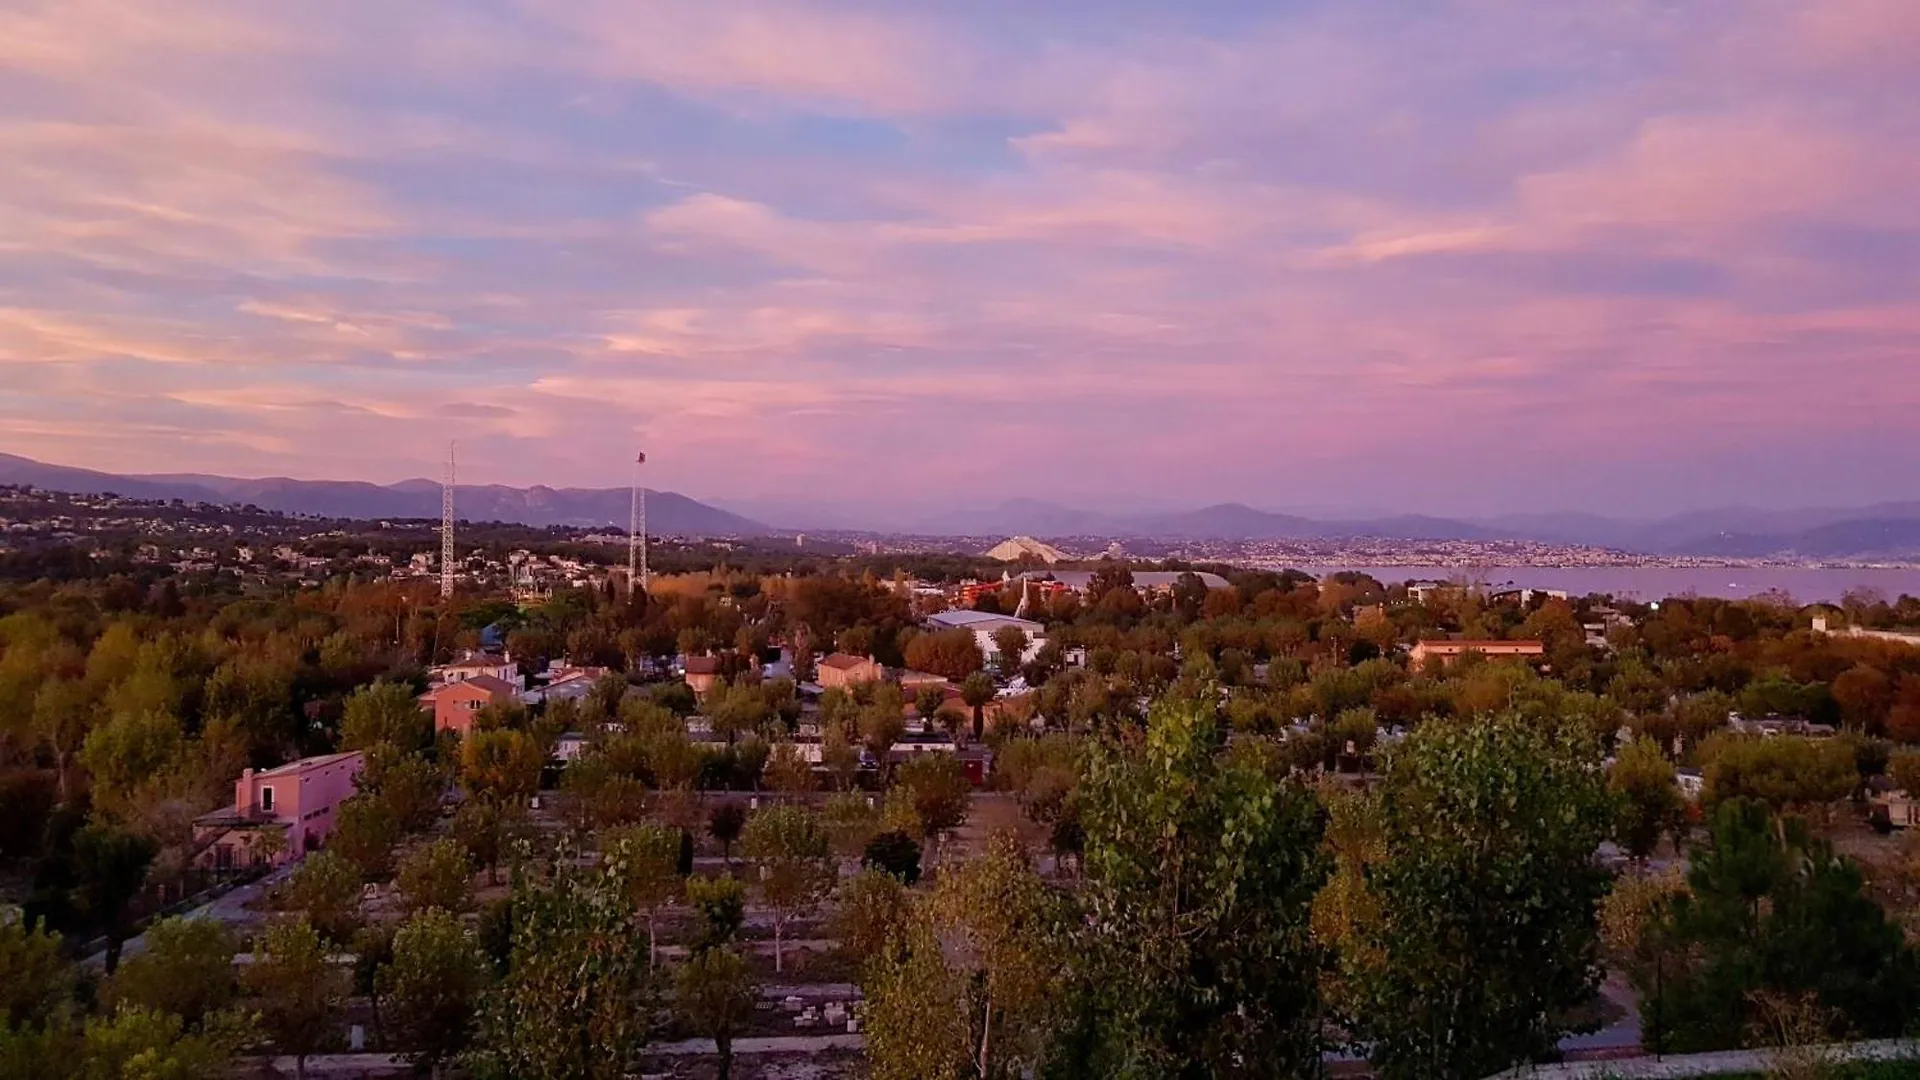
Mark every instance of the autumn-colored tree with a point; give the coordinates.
(787, 770)
(952, 654)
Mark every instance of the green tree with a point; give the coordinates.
(1484, 898)
(327, 887)
(501, 765)
(894, 854)
(938, 789)
(36, 982)
(1002, 925)
(138, 1043)
(950, 654)
(927, 701)
(186, 970)
(976, 690)
(365, 831)
(1010, 649)
(716, 994)
(915, 1027)
(432, 987)
(1642, 779)
(574, 1003)
(724, 825)
(872, 910)
(1201, 874)
(437, 875)
(1771, 913)
(1786, 773)
(296, 989)
(796, 866)
(410, 785)
(110, 868)
(720, 905)
(644, 860)
(385, 714)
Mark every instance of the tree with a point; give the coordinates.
(644, 861)
(110, 866)
(724, 825)
(881, 726)
(720, 903)
(840, 757)
(976, 690)
(327, 887)
(1201, 874)
(36, 983)
(787, 770)
(716, 994)
(1642, 779)
(927, 701)
(501, 765)
(186, 970)
(796, 866)
(894, 854)
(574, 1002)
(365, 831)
(1903, 768)
(1003, 925)
(1010, 649)
(939, 789)
(432, 986)
(1483, 897)
(152, 1044)
(1786, 772)
(437, 875)
(486, 829)
(951, 654)
(872, 911)
(410, 785)
(915, 1028)
(1771, 913)
(385, 714)
(297, 988)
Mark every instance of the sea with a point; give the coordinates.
(1804, 585)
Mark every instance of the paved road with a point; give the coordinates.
(1675, 1066)
(229, 908)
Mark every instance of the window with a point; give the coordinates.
(266, 799)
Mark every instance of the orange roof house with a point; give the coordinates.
(454, 704)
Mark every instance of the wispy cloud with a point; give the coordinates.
(1319, 252)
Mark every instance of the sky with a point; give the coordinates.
(1441, 256)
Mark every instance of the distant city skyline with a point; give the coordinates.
(1457, 258)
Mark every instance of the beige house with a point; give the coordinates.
(845, 670)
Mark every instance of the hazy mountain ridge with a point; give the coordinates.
(667, 512)
(1887, 530)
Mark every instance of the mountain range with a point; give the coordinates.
(1886, 530)
(667, 512)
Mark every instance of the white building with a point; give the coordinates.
(985, 624)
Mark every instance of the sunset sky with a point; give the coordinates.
(1449, 256)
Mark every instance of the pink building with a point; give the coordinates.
(293, 804)
(455, 704)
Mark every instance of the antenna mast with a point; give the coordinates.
(637, 532)
(446, 529)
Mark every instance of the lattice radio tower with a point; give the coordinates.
(446, 530)
(637, 533)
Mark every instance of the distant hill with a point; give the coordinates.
(667, 511)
